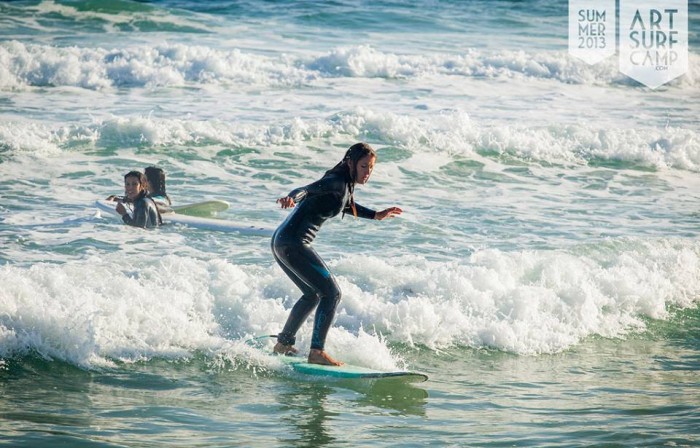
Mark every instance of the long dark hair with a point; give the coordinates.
(350, 159)
(352, 156)
(156, 182)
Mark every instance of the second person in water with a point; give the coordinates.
(145, 213)
(156, 188)
(291, 245)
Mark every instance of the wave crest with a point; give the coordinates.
(35, 65)
(448, 134)
(526, 302)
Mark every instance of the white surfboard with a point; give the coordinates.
(197, 222)
(349, 371)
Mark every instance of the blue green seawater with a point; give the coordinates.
(545, 272)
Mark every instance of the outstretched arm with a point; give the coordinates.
(388, 213)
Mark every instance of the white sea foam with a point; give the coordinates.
(28, 138)
(179, 64)
(166, 65)
(366, 61)
(444, 134)
(95, 312)
(527, 302)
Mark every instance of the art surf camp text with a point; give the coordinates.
(653, 39)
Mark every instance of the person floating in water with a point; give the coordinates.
(145, 212)
(291, 246)
(155, 184)
(156, 188)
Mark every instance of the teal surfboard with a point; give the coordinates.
(349, 371)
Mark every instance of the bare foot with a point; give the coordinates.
(282, 349)
(317, 356)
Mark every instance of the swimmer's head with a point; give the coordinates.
(156, 181)
(134, 183)
(360, 159)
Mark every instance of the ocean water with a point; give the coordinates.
(545, 273)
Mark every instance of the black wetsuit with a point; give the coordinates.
(291, 247)
(145, 213)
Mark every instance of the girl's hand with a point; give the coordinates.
(388, 213)
(120, 208)
(286, 202)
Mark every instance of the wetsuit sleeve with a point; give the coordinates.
(140, 216)
(362, 212)
(298, 194)
(144, 214)
(322, 186)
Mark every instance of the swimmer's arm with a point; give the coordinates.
(368, 213)
(362, 212)
(387, 213)
(323, 185)
(293, 197)
(140, 218)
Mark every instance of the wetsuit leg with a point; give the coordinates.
(301, 309)
(307, 269)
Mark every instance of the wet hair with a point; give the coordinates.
(353, 155)
(156, 182)
(140, 176)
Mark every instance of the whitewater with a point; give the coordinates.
(545, 272)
